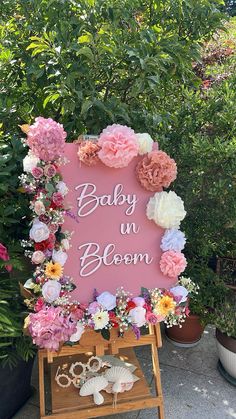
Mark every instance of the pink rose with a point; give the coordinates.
(53, 228)
(57, 198)
(39, 208)
(50, 170)
(137, 316)
(151, 318)
(38, 257)
(51, 290)
(93, 307)
(107, 300)
(172, 263)
(5, 256)
(77, 314)
(39, 305)
(118, 146)
(37, 172)
(139, 301)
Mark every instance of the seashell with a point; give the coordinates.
(119, 376)
(92, 387)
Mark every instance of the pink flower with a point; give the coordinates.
(156, 171)
(88, 153)
(107, 300)
(57, 198)
(118, 146)
(39, 305)
(50, 170)
(38, 257)
(187, 311)
(77, 314)
(5, 256)
(49, 328)
(39, 208)
(137, 316)
(151, 318)
(93, 307)
(51, 290)
(46, 139)
(139, 301)
(172, 263)
(37, 172)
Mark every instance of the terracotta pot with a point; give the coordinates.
(226, 346)
(189, 334)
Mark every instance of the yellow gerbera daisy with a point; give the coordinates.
(53, 270)
(165, 306)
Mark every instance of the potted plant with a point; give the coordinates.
(225, 322)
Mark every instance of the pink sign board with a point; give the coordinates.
(113, 244)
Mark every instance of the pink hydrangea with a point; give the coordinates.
(172, 263)
(46, 139)
(49, 328)
(118, 146)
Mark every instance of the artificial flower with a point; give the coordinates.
(57, 198)
(173, 239)
(39, 231)
(37, 172)
(156, 171)
(59, 256)
(46, 139)
(145, 143)
(165, 306)
(46, 244)
(137, 316)
(65, 244)
(62, 188)
(94, 307)
(77, 313)
(50, 170)
(172, 263)
(152, 318)
(49, 328)
(180, 293)
(29, 284)
(78, 333)
(53, 270)
(139, 301)
(107, 300)
(130, 305)
(51, 290)
(30, 162)
(100, 319)
(88, 153)
(118, 146)
(39, 208)
(38, 257)
(4, 253)
(39, 304)
(166, 209)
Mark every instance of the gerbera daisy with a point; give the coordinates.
(100, 319)
(165, 306)
(53, 270)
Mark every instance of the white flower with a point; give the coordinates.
(51, 290)
(137, 316)
(166, 209)
(145, 143)
(29, 284)
(65, 244)
(173, 239)
(79, 331)
(29, 162)
(100, 319)
(59, 256)
(39, 231)
(62, 188)
(38, 257)
(107, 300)
(180, 292)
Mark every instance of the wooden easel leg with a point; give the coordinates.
(41, 385)
(156, 368)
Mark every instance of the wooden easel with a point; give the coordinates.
(67, 404)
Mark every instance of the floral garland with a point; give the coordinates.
(56, 318)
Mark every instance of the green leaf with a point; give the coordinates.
(87, 104)
(85, 39)
(87, 52)
(105, 334)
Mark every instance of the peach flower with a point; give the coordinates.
(88, 153)
(172, 263)
(118, 145)
(156, 171)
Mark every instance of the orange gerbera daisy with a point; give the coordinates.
(53, 270)
(165, 306)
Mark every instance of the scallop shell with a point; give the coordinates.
(119, 376)
(92, 387)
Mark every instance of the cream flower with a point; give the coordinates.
(79, 331)
(145, 143)
(59, 256)
(51, 290)
(38, 257)
(65, 244)
(39, 231)
(100, 319)
(62, 188)
(30, 162)
(166, 209)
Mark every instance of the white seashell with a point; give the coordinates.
(119, 376)
(92, 387)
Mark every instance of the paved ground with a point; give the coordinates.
(192, 386)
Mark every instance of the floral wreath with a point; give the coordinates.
(55, 317)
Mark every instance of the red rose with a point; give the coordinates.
(130, 305)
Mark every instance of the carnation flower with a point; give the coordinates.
(49, 328)
(30, 162)
(156, 171)
(118, 146)
(166, 209)
(137, 316)
(38, 257)
(50, 170)
(88, 153)
(39, 208)
(59, 256)
(107, 300)
(165, 306)
(62, 188)
(39, 231)
(78, 333)
(37, 172)
(180, 293)
(46, 139)
(173, 239)
(53, 270)
(172, 263)
(145, 143)
(100, 319)
(51, 290)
